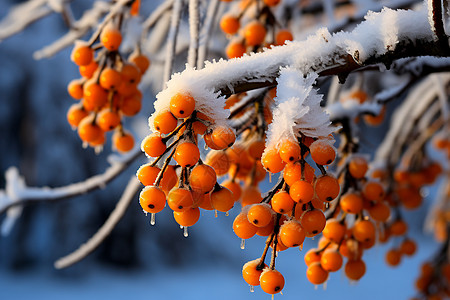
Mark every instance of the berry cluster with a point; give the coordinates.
(108, 89)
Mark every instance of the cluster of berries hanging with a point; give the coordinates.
(108, 89)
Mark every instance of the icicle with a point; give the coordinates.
(313, 238)
(273, 296)
(327, 205)
(252, 289)
(185, 232)
(270, 177)
(206, 147)
(300, 247)
(316, 287)
(152, 219)
(215, 213)
(242, 244)
(276, 253)
(325, 285)
(85, 145)
(146, 213)
(181, 227)
(227, 213)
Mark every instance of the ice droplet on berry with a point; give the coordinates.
(242, 244)
(152, 219)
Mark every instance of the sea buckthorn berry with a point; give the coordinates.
(327, 188)
(152, 199)
(242, 227)
(398, 227)
(153, 145)
(107, 119)
(251, 271)
(373, 191)
(229, 24)
(199, 128)
(180, 199)
(313, 221)
(375, 120)
(187, 154)
(358, 167)
(134, 9)
(127, 89)
(141, 61)
(223, 137)
(235, 49)
(130, 73)
(204, 201)
(291, 233)
(379, 211)
(358, 95)
(260, 215)
(301, 191)
(408, 247)
(94, 95)
(222, 199)
(82, 55)
(250, 195)
(110, 79)
(289, 151)
(334, 231)
(165, 122)
(266, 230)
(234, 187)
(271, 2)
(131, 105)
(147, 174)
(355, 269)
(393, 257)
(272, 161)
(351, 203)
(282, 202)
(256, 149)
(316, 274)
(271, 281)
(219, 161)
(283, 36)
(363, 231)
(88, 130)
(169, 179)
(209, 142)
(322, 152)
(182, 105)
(123, 141)
(331, 260)
(111, 38)
(202, 178)
(100, 141)
(293, 172)
(188, 217)
(75, 114)
(254, 33)
(75, 89)
(88, 70)
(313, 255)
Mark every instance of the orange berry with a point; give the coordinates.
(271, 2)
(202, 178)
(293, 172)
(110, 79)
(152, 199)
(88, 130)
(282, 202)
(260, 214)
(376, 120)
(141, 61)
(229, 24)
(130, 74)
(131, 105)
(222, 199)
(322, 152)
(234, 187)
(107, 119)
(363, 231)
(408, 247)
(127, 89)
(242, 227)
(188, 217)
(169, 179)
(94, 95)
(355, 269)
(88, 70)
(153, 145)
(182, 105)
(250, 195)
(75, 114)
(313, 221)
(123, 141)
(334, 231)
(235, 49)
(351, 203)
(379, 211)
(331, 260)
(254, 33)
(223, 137)
(180, 199)
(316, 274)
(256, 149)
(358, 167)
(134, 9)
(82, 55)
(251, 272)
(75, 89)
(289, 151)
(272, 161)
(358, 95)
(327, 188)
(291, 233)
(271, 281)
(393, 257)
(111, 38)
(373, 191)
(313, 255)
(219, 161)
(301, 191)
(165, 122)
(283, 36)
(147, 174)
(398, 227)
(187, 154)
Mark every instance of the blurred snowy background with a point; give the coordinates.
(137, 261)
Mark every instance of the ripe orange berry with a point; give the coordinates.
(234, 187)
(293, 172)
(153, 145)
(141, 61)
(393, 257)
(283, 36)
(169, 179)
(88, 130)
(398, 227)
(152, 199)
(408, 247)
(82, 55)
(301, 191)
(75, 89)
(251, 272)
(127, 89)
(355, 269)
(147, 174)
(313, 221)
(75, 114)
(110, 79)
(165, 122)
(235, 49)
(222, 199)
(379, 211)
(327, 188)
(131, 105)
(123, 141)
(331, 260)
(272, 161)
(182, 105)
(363, 231)
(107, 119)
(271, 281)
(229, 24)
(254, 33)
(202, 178)
(313, 255)
(282, 202)
(94, 95)
(322, 152)
(187, 154)
(134, 9)
(271, 2)
(219, 161)
(256, 149)
(316, 274)
(180, 199)
(88, 70)
(358, 167)
(242, 227)
(351, 203)
(250, 195)
(289, 151)
(334, 231)
(223, 137)
(291, 233)
(373, 191)
(260, 214)
(111, 38)
(188, 217)
(130, 74)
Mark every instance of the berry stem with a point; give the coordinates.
(164, 167)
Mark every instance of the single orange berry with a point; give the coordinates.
(88, 70)
(141, 61)
(222, 199)
(75, 89)
(229, 24)
(291, 233)
(153, 145)
(254, 33)
(152, 199)
(250, 195)
(272, 161)
(202, 178)
(107, 119)
(322, 152)
(252, 270)
(134, 9)
(334, 231)
(313, 221)
(256, 149)
(289, 151)
(234, 187)
(355, 269)
(379, 211)
(165, 122)
(313, 255)
(293, 172)
(123, 141)
(235, 49)
(88, 130)
(331, 260)
(130, 74)
(316, 274)
(110, 79)
(182, 105)
(358, 167)
(363, 231)
(283, 36)
(408, 247)
(260, 214)
(282, 202)
(327, 188)
(111, 38)
(75, 114)
(94, 95)
(242, 227)
(393, 257)
(219, 161)
(373, 191)
(131, 105)
(398, 227)
(187, 154)
(180, 199)
(147, 174)
(271, 281)
(301, 191)
(351, 203)
(223, 137)
(188, 217)
(82, 55)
